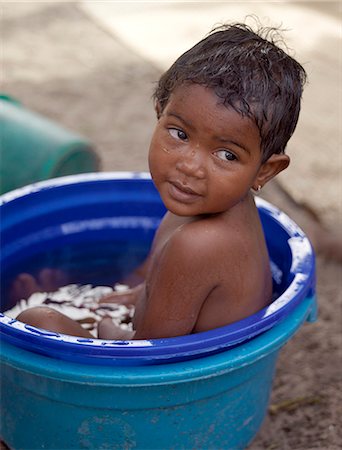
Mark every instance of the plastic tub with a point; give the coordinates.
(33, 148)
(207, 390)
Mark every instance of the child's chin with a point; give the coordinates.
(184, 210)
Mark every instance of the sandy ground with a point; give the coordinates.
(59, 61)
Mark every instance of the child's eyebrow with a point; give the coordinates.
(180, 118)
(224, 140)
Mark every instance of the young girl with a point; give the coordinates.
(226, 110)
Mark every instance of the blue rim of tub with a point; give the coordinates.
(168, 350)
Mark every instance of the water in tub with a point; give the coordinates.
(81, 303)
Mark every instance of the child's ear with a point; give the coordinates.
(269, 169)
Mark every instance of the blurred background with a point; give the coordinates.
(91, 67)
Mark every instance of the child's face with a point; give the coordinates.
(204, 157)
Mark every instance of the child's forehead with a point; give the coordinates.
(199, 107)
(193, 90)
(190, 100)
(196, 95)
(194, 99)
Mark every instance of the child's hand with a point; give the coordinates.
(128, 296)
(106, 329)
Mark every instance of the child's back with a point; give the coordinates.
(218, 272)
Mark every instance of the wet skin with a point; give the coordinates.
(208, 264)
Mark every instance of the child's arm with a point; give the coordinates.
(127, 297)
(177, 286)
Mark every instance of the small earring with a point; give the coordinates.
(258, 188)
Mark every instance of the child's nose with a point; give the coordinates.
(191, 163)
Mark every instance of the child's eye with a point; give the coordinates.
(226, 155)
(178, 134)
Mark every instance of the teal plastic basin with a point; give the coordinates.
(215, 402)
(204, 391)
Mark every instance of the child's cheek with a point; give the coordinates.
(167, 145)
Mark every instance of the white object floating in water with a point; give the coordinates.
(80, 303)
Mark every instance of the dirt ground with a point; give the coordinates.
(58, 62)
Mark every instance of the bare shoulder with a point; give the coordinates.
(214, 249)
(180, 280)
(205, 237)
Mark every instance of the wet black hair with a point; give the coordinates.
(250, 73)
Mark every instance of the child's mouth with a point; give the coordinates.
(182, 193)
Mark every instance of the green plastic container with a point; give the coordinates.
(33, 148)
